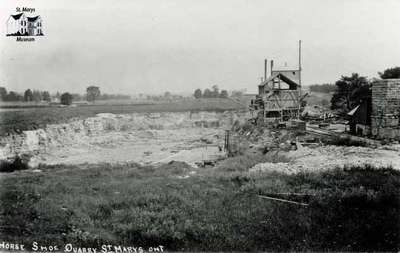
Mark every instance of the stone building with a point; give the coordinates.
(386, 109)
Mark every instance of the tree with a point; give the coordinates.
(66, 98)
(223, 94)
(76, 97)
(207, 93)
(36, 96)
(215, 91)
(167, 94)
(28, 95)
(390, 73)
(197, 93)
(92, 93)
(349, 91)
(3, 93)
(13, 96)
(46, 96)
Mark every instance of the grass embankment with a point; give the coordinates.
(216, 209)
(29, 119)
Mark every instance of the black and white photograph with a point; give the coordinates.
(136, 126)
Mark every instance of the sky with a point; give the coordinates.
(153, 46)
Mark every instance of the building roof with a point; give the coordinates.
(33, 19)
(280, 76)
(17, 16)
(285, 68)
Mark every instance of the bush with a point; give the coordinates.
(66, 99)
(345, 141)
(10, 166)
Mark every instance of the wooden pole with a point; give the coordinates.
(283, 200)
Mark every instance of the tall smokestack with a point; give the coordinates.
(299, 94)
(265, 69)
(300, 62)
(272, 66)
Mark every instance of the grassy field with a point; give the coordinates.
(33, 118)
(216, 209)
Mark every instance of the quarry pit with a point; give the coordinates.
(144, 138)
(190, 137)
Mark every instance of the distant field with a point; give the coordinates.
(17, 120)
(20, 104)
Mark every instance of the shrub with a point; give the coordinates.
(66, 98)
(345, 141)
(10, 166)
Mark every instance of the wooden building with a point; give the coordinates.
(279, 96)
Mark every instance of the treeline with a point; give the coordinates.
(92, 93)
(167, 96)
(324, 88)
(214, 92)
(28, 96)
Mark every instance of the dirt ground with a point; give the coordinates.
(143, 147)
(329, 157)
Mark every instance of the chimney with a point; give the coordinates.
(300, 62)
(265, 69)
(272, 66)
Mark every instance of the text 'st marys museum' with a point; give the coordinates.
(21, 25)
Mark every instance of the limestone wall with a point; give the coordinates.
(79, 132)
(386, 108)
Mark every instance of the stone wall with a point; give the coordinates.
(386, 108)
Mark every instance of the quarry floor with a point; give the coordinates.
(143, 147)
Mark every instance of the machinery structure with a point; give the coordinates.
(279, 98)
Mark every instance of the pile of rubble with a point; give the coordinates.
(329, 157)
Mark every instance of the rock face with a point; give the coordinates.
(81, 132)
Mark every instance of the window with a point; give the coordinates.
(22, 22)
(22, 30)
(294, 73)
